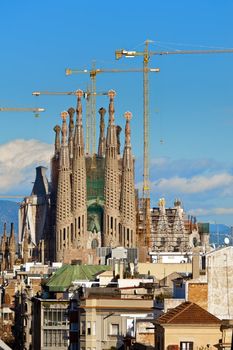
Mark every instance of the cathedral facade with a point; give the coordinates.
(91, 201)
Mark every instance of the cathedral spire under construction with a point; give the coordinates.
(71, 112)
(79, 208)
(102, 141)
(127, 203)
(12, 247)
(112, 185)
(63, 213)
(55, 162)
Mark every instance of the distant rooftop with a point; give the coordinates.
(67, 274)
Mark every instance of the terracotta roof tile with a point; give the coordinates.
(188, 313)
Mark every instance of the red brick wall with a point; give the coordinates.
(198, 294)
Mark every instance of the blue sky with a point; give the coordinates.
(191, 108)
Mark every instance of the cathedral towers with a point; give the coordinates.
(95, 196)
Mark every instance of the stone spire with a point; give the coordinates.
(55, 160)
(63, 213)
(127, 203)
(112, 186)
(118, 132)
(25, 246)
(102, 141)
(12, 248)
(4, 248)
(79, 189)
(71, 112)
(4, 238)
(57, 143)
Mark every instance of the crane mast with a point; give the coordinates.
(93, 111)
(146, 54)
(146, 187)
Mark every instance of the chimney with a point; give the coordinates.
(195, 263)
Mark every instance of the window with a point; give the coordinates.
(74, 326)
(195, 243)
(114, 329)
(55, 317)
(88, 327)
(55, 337)
(83, 327)
(186, 345)
(163, 240)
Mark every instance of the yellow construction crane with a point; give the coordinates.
(34, 110)
(146, 54)
(93, 73)
(86, 94)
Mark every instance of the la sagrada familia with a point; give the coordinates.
(91, 200)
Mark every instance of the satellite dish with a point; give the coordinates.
(226, 240)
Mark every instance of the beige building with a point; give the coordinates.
(187, 327)
(108, 320)
(220, 278)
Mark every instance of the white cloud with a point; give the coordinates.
(210, 211)
(195, 184)
(167, 167)
(18, 159)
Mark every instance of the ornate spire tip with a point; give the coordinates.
(128, 116)
(79, 93)
(64, 115)
(111, 94)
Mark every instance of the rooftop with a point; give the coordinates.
(67, 274)
(188, 313)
